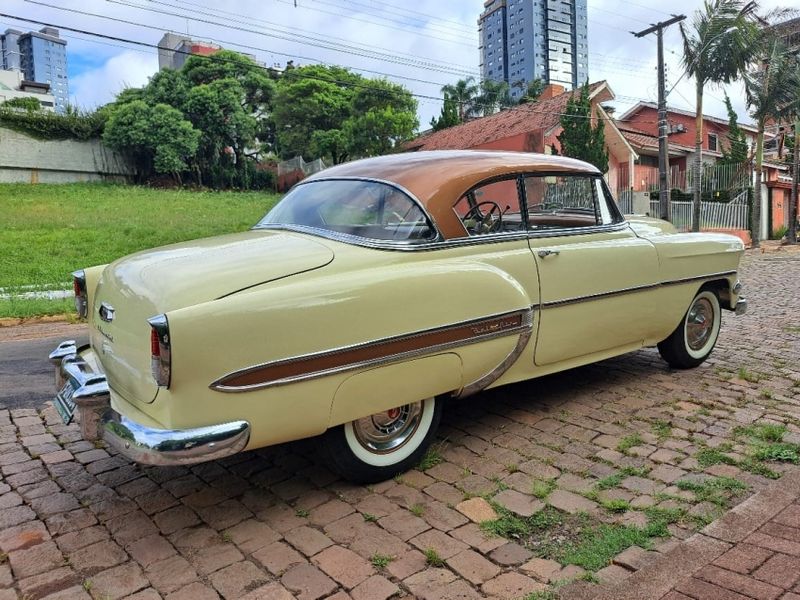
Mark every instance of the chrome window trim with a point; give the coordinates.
(492, 238)
(354, 239)
(633, 290)
(526, 325)
(438, 242)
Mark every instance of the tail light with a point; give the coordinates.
(160, 350)
(81, 299)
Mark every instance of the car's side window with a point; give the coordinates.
(561, 201)
(492, 207)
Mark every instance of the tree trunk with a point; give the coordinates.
(697, 167)
(755, 234)
(791, 234)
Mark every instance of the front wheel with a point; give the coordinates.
(382, 445)
(694, 338)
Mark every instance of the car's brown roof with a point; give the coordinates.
(439, 178)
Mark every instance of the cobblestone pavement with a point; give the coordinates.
(625, 441)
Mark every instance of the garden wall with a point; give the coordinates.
(24, 159)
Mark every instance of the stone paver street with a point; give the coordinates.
(622, 448)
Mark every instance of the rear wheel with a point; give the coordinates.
(384, 444)
(696, 335)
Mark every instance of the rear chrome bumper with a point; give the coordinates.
(142, 444)
(741, 306)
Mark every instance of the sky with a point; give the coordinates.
(423, 45)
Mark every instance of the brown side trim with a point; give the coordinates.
(371, 353)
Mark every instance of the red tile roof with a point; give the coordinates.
(525, 118)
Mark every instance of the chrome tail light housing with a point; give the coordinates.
(160, 350)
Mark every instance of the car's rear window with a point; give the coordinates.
(366, 209)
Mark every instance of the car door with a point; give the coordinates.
(598, 280)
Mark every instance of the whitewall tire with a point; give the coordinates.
(384, 444)
(696, 335)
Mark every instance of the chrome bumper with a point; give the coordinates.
(741, 306)
(145, 445)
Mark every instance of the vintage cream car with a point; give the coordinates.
(373, 292)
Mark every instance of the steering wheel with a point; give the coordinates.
(490, 222)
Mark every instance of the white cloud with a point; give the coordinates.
(448, 34)
(99, 86)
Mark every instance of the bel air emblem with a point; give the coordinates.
(106, 312)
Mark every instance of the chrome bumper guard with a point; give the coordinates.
(145, 445)
(741, 306)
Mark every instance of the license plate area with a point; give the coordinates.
(64, 404)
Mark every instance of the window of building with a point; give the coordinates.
(712, 142)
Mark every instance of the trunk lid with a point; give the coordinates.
(148, 283)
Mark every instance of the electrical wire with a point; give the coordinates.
(140, 43)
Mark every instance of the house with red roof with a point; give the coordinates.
(533, 127)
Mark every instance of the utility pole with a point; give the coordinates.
(663, 142)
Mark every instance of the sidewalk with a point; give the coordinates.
(751, 552)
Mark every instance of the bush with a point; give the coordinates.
(778, 233)
(52, 126)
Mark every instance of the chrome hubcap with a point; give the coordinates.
(387, 431)
(699, 324)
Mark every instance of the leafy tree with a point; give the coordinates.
(771, 93)
(533, 90)
(580, 138)
(384, 115)
(717, 47)
(332, 112)
(736, 151)
(311, 99)
(26, 102)
(157, 138)
(463, 93)
(448, 115)
(494, 96)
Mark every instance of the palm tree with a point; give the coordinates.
(717, 48)
(494, 96)
(771, 93)
(463, 93)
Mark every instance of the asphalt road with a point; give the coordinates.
(26, 375)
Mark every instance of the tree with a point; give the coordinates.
(533, 90)
(717, 48)
(736, 151)
(580, 138)
(331, 112)
(771, 94)
(384, 115)
(494, 96)
(311, 99)
(448, 115)
(157, 138)
(463, 93)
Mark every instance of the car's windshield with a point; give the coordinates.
(367, 209)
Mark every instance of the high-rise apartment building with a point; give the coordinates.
(174, 49)
(522, 40)
(41, 56)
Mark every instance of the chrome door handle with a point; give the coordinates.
(546, 253)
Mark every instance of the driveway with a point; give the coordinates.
(570, 471)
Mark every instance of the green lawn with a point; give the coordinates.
(48, 231)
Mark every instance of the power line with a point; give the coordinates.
(312, 41)
(230, 43)
(257, 66)
(353, 18)
(250, 18)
